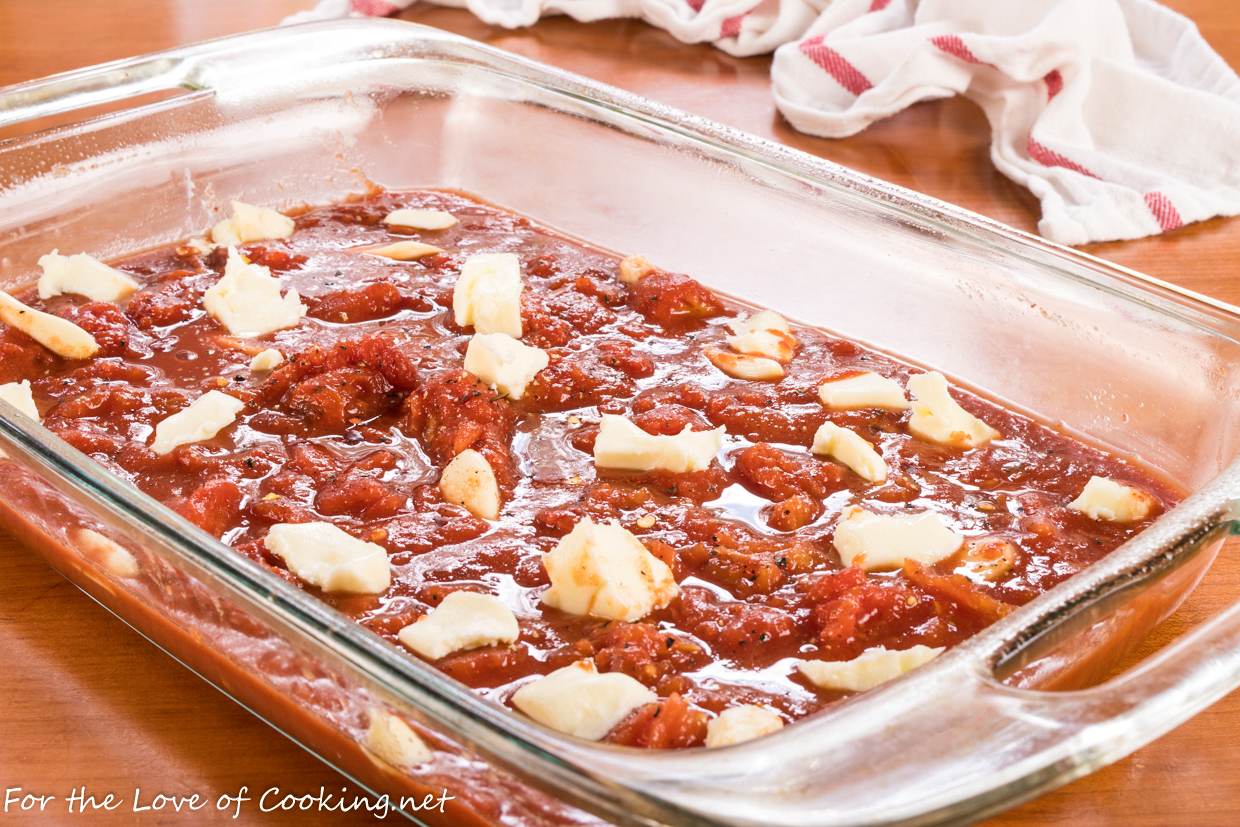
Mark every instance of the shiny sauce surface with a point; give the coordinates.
(373, 401)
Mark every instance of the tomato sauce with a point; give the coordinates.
(372, 401)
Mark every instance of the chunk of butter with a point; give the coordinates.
(1114, 502)
(937, 417)
(850, 448)
(394, 742)
(488, 294)
(869, 669)
(469, 481)
(204, 418)
(19, 396)
(250, 223)
(83, 275)
(885, 541)
(634, 268)
(577, 700)
(325, 556)
(403, 250)
(58, 335)
(763, 334)
(420, 219)
(604, 571)
(506, 364)
(742, 723)
(463, 620)
(862, 390)
(266, 360)
(745, 366)
(247, 299)
(106, 552)
(623, 445)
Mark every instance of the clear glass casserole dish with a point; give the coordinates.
(308, 114)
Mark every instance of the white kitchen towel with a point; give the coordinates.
(1116, 114)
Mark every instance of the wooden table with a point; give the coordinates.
(84, 700)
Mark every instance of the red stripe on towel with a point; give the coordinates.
(731, 26)
(1054, 83)
(1048, 157)
(1164, 211)
(954, 46)
(372, 8)
(835, 65)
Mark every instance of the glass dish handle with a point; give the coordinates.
(108, 83)
(950, 742)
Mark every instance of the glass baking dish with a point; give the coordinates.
(145, 151)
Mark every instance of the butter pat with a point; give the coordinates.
(266, 360)
(1108, 500)
(106, 552)
(623, 445)
(394, 742)
(849, 448)
(744, 366)
(403, 250)
(247, 299)
(742, 723)
(464, 620)
(634, 268)
(604, 571)
(488, 294)
(84, 276)
(885, 541)
(577, 700)
(763, 334)
(250, 223)
(19, 396)
(204, 418)
(504, 363)
(939, 418)
(58, 335)
(469, 481)
(324, 556)
(420, 219)
(862, 390)
(869, 669)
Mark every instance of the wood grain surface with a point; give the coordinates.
(86, 701)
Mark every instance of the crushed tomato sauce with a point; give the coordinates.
(372, 401)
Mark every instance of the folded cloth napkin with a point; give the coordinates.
(1116, 114)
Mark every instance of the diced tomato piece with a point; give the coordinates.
(171, 300)
(670, 419)
(673, 301)
(957, 590)
(746, 571)
(795, 512)
(759, 414)
(555, 320)
(853, 611)
(21, 357)
(668, 724)
(588, 376)
(213, 506)
(376, 300)
(779, 476)
(454, 411)
(360, 495)
(107, 323)
(272, 258)
(735, 628)
(643, 651)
